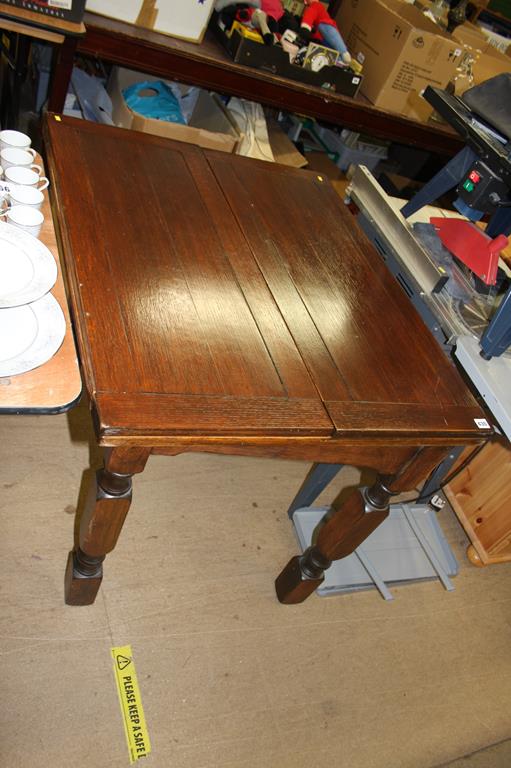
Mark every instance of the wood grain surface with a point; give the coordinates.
(223, 296)
(480, 497)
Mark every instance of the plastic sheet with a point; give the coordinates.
(154, 100)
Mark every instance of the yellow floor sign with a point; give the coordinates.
(131, 703)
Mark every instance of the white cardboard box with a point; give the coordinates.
(187, 19)
(210, 126)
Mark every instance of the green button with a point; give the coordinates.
(468, 185)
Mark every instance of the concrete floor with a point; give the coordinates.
(229, 677)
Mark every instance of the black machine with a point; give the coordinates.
(481, 173)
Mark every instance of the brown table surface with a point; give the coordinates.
(209, 66)
(230, 305)
(241, 294)
(55, 386)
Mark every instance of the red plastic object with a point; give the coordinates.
(471, 246)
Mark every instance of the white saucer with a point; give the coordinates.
(30, 335)
(27, 268)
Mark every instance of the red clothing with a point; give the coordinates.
(315, 14)
(272, 8)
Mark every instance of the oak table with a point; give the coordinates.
(228, 305)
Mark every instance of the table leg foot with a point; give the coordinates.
(82, 587)
(298, 580)
(340, 534)
(349, 523)
(101, 521)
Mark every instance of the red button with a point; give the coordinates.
(474, 176)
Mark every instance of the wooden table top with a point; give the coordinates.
(218, 295)
(209, 66)
(55, 386)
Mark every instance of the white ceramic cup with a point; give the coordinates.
(14, 139)
(25, 177)
(31, 196)
(24, 158)
(25, 217)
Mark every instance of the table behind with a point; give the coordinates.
(209, 66)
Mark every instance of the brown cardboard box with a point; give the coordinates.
(210, 125)
(480, 60)
(501, 42)
(283, 149)
(469, 34)
(401, 50)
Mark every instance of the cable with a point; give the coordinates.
(449, 477)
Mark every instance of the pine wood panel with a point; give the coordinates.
(480, 497)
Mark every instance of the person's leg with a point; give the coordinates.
(333, 39)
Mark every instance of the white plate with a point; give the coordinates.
(30, 335)
(27, 268)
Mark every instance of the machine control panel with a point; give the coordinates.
(482, 189)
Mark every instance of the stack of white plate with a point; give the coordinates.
(32, 324)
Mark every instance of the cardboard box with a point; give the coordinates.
(502, 43)
(469, 34)
(68, 10)
(178, 18)
(283, 149)
(210, 125)
(480, 59)
(401, 50)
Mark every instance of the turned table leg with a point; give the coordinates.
(105, 510)
(348, 524)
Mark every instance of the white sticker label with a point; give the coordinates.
(482, 423)
(355, 80)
